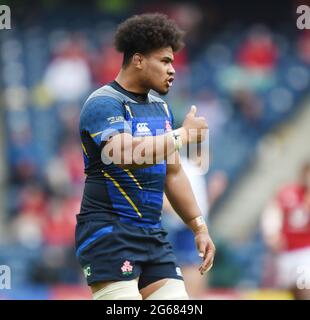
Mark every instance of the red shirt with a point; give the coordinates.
(296, 219)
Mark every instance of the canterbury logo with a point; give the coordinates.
(143, 127)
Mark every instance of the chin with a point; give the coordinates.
(162, 92)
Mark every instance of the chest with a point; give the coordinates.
(148, 119)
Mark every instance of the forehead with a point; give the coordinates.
(162, 53)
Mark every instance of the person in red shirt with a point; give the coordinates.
(258, 52)
(286, 231)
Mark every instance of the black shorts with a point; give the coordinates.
(110, 250)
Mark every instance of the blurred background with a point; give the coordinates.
(247, 68)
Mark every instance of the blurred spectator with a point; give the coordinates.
(286, 231)
(58, 227)
(217, 185)
(303, 46)
(248, 105)
(210, 107)
(24, 171)
(56, 266)
(33, 201)
(106, 64)
(68, 76)
(258, 52)
(65, 172)
(73, 162)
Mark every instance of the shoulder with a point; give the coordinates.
(104, 95)
(99, 101)
(98, 107)
(107, 91)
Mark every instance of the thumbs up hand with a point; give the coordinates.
(194, 127)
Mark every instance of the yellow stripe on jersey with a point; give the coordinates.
(121, 190)
(93, 135)
(84, 149)
(133, 178)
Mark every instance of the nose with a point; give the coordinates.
(171, 70)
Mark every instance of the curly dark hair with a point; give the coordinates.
(145, 33)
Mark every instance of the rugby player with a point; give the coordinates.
(131, 157)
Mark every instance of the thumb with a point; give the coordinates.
(193, 110)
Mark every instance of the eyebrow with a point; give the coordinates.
(167, 58)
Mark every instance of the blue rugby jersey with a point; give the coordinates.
(135, 195)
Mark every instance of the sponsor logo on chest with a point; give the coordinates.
(143, 129)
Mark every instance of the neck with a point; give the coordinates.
(130, 81)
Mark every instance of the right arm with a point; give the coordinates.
(129, 152)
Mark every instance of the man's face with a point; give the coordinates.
(158, 72)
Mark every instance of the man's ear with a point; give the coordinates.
(137, 60)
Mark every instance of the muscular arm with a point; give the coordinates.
(131, 152)
(179, 193)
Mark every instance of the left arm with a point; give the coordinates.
(179, 192)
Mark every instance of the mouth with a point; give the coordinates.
(169, 81)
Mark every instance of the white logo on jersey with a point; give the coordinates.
(178, 271)
(143, 129)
